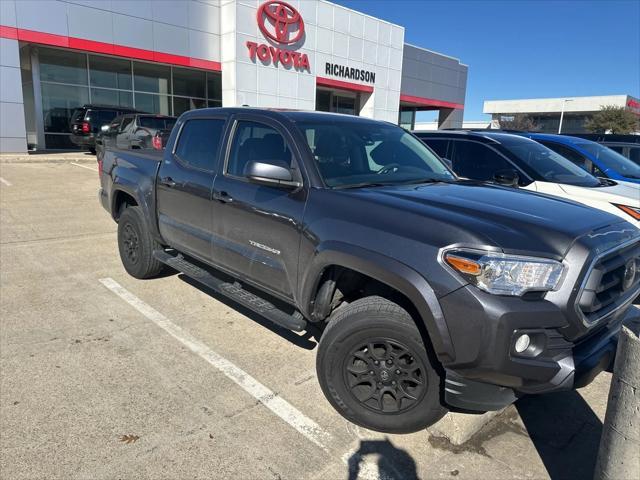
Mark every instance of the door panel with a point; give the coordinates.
(184, 185)
(257, 227)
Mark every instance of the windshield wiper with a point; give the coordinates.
(363, 185)
(415, 181)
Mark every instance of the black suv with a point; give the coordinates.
(134, 131)
(504, 158)
(87, 120)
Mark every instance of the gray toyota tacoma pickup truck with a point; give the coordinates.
(428, 293)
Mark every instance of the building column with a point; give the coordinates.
(13, 133)
(450, 118)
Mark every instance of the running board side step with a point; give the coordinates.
(233, 291)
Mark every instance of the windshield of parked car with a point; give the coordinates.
(610, 159)
(157, 123)
(356, 153)
(549, 165)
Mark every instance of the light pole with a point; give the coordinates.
(564, 101)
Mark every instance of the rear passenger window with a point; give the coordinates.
(199, 143)
(477, 161)
(256, 142)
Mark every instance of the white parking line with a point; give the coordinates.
(5, 182)
(84, 166)
(283, 409)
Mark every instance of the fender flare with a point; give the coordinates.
(390, 272)
(145, 201)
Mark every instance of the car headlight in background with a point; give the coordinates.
(633, 211)
(502, 274)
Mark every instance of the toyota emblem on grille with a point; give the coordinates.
(629, 277)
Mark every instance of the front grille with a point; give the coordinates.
(612, 281)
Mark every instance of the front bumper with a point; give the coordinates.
(489, 374)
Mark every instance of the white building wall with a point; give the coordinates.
(554, 105)
(13, 134)
(333, 34)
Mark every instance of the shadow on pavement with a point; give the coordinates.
(564, 430)
(306, 340)
(393, 462)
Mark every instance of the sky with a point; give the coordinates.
(525, 48)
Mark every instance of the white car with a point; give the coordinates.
(621, 198)
(517, 161)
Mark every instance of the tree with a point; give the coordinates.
(612, 119)
(518, 121)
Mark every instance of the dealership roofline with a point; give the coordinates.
(557, 104)
(436, 53)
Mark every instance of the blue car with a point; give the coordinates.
(596, 159)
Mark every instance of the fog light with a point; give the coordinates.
(522, 343)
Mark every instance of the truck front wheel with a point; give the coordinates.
(136, 245)
(373, 367)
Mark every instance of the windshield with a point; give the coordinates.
(611, 160)
(356, 153)
(157, 123)
(549, 165)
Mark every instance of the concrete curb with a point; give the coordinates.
(53, 158)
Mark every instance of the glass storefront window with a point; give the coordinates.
(214, 87)
(406, 119)
(63, 66)
(182, 104)
(189, 83)
(119, 98)
(151, 78)
(149, 103)
(214, 103)
(58, 104)
(110, 72)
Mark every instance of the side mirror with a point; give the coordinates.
(509, 178)
(270, 174)
(104, 128)
(448, 162)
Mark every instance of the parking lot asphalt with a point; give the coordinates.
(105, 376)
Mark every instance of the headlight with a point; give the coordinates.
(502, 274)
(633, 211)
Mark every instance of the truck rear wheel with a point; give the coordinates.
(136, 245)
(374, 369)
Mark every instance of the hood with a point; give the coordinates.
(622, 192)
(515, 220)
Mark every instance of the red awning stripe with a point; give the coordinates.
(430, 102)
(106, 48)
(341, 85)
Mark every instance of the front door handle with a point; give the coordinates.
(168, 181)
(223, 197)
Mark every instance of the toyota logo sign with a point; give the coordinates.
(280, 22)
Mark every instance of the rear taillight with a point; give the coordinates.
(86, 128)
(157, 143)
(100, 167)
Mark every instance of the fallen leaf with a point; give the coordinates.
(129, 438)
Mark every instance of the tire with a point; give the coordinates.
(136, 245)
(375, 329)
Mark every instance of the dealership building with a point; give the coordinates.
(170, 56)
(546, 112)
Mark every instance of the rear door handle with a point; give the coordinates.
(168, 181)
(223, 197)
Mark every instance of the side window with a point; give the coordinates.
(438, 145)
(256, 142)
(199, 143)
(570, 155)
(477, 161)
(125, 123)
(115, 124)
(634, 154)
